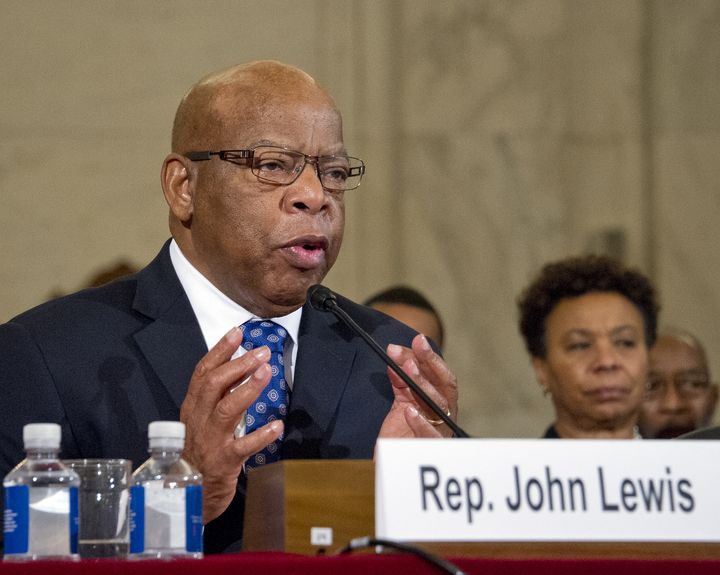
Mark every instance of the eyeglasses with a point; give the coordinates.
(275, 165)
(687, 385)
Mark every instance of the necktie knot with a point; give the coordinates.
(257, 333)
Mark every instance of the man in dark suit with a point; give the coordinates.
(255, 184)
(704, 433)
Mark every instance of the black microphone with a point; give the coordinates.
(323, 299)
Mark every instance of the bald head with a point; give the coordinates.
(678, 336)
(243, 95)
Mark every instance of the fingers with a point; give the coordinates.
(405, 421)
(208, 397)
(219, 354)
(225, 464)
(215, 373)
(399, 353)
(430, 372)
(419, 426)
(249, 444)
(410, 368)
(434, 368)
(431, 387)
(220, 391)
(441, 380)
(229, 409)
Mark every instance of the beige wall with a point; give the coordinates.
(498, 135)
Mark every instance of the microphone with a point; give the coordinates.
(323, 299)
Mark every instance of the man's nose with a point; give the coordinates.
(671, 400)
(306, 193)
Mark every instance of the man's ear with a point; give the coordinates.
(178, 186)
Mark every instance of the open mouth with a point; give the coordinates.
(312, 246)
(306, 253)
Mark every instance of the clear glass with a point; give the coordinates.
(164, 477)
(104, 499)
(49, 482)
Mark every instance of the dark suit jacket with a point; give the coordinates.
(704, 433)
(105, 362)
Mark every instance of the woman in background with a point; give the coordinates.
(588, 323)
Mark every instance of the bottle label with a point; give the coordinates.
(137, 519)
(165, 519)
(74, 520)
(193, 518)
(15, 519)
(41, 520)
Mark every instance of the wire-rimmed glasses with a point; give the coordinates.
(280, 166)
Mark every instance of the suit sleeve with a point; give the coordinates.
(27, 393)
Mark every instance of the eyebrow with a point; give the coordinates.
(340, 152)
(613, 331)
(693, 371)
(621, 328)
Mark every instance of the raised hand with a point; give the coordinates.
(220, 391)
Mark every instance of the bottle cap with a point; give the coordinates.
(170, 429)
(42, 435)
(166, 434)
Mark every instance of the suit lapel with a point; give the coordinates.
(172, 343)
(325, 359)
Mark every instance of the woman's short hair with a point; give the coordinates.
(576, 276)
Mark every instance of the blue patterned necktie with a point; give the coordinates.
(272, 402)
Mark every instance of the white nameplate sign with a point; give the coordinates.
(547, 490)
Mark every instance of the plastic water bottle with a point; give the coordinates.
(166, 499)
(41, 500)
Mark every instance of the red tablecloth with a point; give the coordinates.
(364, 564)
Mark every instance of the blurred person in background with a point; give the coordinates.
(412, 308)
(104, 275)
(680, 396)
(588, 323)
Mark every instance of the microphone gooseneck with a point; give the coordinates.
(323, 299)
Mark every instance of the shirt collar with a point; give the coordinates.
(216, 313)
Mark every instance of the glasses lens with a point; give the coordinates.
(340, 172)
(281, 166)
(277, 165)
